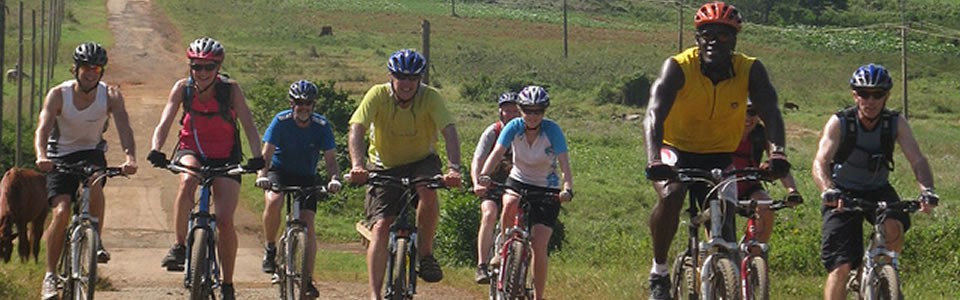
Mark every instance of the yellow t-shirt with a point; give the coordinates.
(400, 136)
(708, 118)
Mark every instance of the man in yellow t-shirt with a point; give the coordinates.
(695, 119)
(405, 117)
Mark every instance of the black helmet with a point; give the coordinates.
(90, 53)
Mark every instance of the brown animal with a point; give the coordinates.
(791, 106)
(15, 73)
(23, 199)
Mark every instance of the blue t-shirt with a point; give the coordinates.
(534, 162)
(298, 149)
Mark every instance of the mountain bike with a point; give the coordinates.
(513, 280)
(495, 191)
(291, 259)
(754, 273)
(878, 276)
(77, 269)
(203, 273)
(706, 269)
(401, 279)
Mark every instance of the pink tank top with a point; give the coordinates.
(215, 135)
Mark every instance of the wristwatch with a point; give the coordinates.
(777, 149)
(454, 167)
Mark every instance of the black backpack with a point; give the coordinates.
(848, 119)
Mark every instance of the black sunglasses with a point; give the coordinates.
(751, 112)
(531, 111)
(400, 76)
(301, 102)
(865, 94)
(204, 67)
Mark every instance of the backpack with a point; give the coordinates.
(848, 119)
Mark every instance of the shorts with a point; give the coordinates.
(697, 192)
(213, 162)
(59, 183)
(384, 201)
(287, 179)
(842, 233)
(541, 212)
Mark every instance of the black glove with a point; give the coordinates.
(831, 195)
(779, 166)
(658, 171)
(930, 197)
(794, 198)
(255, 164)
(158, 159)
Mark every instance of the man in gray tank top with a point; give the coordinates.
(854, 160)
(70, 130)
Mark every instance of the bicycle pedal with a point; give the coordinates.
(274, 279)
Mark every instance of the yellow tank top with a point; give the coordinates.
(708, 118)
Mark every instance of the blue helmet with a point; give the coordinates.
(407, 62)
(508, 97)
(534, 95)
(303, 90)
(871, 76)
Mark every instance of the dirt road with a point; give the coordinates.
(147, 57)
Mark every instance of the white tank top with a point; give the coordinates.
(78, 130)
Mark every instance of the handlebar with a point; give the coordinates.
(717, 176)
(859, 204)
(85, 169)
(206, 171)
(279, 188)
(378, 179)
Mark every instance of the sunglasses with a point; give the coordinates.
(406, 77)
(865, 94)
(532, 111)
(301, 102)
(94, 68)
(714, 35)
(203, 67)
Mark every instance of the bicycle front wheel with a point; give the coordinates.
(515, 270)
(757, 278)
(885, 286)
(296, 280)
(397, 266)
(85, 267)
(684, 278)
(722, 284)
(200, 286)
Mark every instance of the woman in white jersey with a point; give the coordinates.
(538, 147)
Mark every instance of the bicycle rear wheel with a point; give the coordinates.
(722, 284)
(295, 278)
(515, 270)
(757, 278)
(397, 265)
(684, 278)
(200, 286)
(85, 254)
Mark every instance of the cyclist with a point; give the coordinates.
(405, 116)
(695, 117)
(70, 129)
(508, 110)
(539, 147)
(212, 104)
(752, 146)
(855, 159)
(295, 140)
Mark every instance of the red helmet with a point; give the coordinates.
(207, 49)
(718, 13)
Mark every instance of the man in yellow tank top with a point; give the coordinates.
(695, 118)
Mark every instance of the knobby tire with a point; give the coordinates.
(398, 270)
(296, 280)
(200, 286)
(757, 278)
(723, 283)
(684, 280)
(886, 286)
(515, 270)
(85, 285)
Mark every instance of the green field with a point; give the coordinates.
(490, 46)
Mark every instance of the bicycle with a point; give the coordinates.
(512, 275)
(495, 191)
(878, 276)
(754, 273)
(401, 279)
(203, 274)
(706, 270)
(292, 260)
(77, 269)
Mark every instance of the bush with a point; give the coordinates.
(633, 89)
(8, 155)
(489, 89)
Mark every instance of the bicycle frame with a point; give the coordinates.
(520, 232)
(285, 275)
(866, 280)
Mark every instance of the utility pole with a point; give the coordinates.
(903, 53)
(680, 25)
(564, 28)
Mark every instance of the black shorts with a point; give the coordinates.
(218, 162)
(384, 201)
(541, 212)
(842, 233)
(59, 183)
(287, 179)
(698, 191)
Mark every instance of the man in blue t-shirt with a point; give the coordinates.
(294, 140)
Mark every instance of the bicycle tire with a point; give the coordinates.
(85, 252)
(757, 283)
(281, 271)
(684, 279)
(296, 261)
(886, 287)
(397, 264)
(200, 286)
(515, 270)
(723, 282)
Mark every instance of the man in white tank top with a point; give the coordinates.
(71, 126)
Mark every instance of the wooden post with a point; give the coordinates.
(564, 28)
(425, 25)
(33, 66)
(18, 152)
(453, 8)
(3, 33)
(43, 52)
(903, 54)
(680, 25)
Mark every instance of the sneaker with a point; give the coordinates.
(175, 258)
(49, 289)
(311, 291)
(495, 261)
(103, 256)
(227, 292)
(430, 270)
(269, 259)
(659, 287)
(482, 276)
